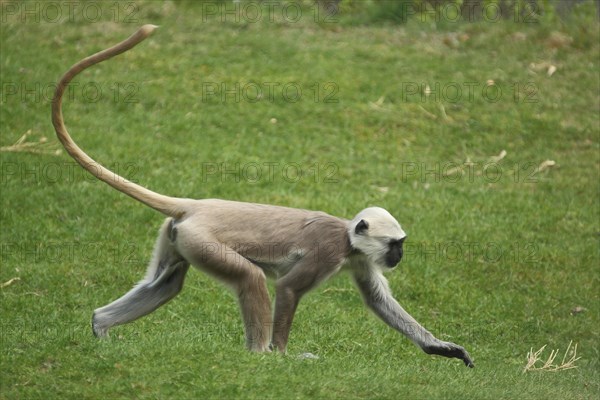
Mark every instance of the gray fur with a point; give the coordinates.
(377, 295)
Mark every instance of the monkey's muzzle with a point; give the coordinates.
(393, 257)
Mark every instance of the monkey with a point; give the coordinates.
(244, 244)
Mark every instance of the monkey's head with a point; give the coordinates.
(376, 234)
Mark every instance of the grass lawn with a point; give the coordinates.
(482, 139)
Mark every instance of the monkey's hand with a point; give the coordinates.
(451, 350)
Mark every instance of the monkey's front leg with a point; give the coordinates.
(290, 288)
(286, 302)
(378, 298)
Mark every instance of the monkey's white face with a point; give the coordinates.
(377, 234)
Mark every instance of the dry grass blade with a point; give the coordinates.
(9, 282)
(533, 358)
(40, 147)
(430, 115)
(495, 159)
(545, 165)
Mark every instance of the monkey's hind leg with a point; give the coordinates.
(246, 279)
(163, 281)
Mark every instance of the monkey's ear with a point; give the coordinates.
(361, 227)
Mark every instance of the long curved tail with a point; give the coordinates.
(170, 206)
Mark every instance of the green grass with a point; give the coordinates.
(495, 263)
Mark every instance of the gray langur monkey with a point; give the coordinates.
(241, 244)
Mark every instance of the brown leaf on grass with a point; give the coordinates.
(518, 36)
(578, 310)
(557, 40)
(451, 40)
(546, 66)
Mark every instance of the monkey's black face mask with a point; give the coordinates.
(394, 253)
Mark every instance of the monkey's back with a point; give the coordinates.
(281, 229)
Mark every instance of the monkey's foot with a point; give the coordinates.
(98, 332)
(451, 350)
